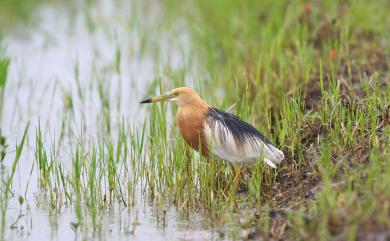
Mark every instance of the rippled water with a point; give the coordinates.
(58, 64)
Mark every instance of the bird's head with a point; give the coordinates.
(181, 95)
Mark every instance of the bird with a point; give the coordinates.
(213, 132)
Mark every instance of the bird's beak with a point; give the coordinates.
(158, 98)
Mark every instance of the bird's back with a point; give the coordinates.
(236, 141)
(209, 130)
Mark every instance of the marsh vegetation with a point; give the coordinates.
(81, 159)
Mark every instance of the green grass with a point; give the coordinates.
(313, 77)
(16, 12)
(4, 64)
(329, 114)
(6, 185)
(308, 77)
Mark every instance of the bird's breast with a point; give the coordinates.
(191, 127)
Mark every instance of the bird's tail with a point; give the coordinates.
(274, 156)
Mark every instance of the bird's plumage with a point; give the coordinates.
(212, 131)
(191, 119)
(236, 141)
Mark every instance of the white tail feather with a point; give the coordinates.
(277, 156)
(270, 163)
(273, 156)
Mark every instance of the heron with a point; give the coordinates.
(213, 132)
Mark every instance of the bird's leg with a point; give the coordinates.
(236, 178)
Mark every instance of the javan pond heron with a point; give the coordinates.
(214, 132)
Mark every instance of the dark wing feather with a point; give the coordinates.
(241, 130)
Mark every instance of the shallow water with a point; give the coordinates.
(58, 64)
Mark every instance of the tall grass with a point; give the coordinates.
(294, 70)
(4, 64)
(6, 184)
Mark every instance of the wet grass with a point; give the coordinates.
(6, 185)
(4, 63)
(313, 77)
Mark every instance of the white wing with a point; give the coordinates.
(236, 141)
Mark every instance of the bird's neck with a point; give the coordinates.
(191, 119)
(196, 109)
(191, 115)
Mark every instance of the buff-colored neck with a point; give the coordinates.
(196, 106)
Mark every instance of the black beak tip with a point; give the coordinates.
(146, 101)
